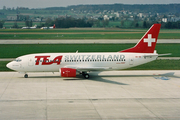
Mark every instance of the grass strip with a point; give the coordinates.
(3, 66)
(159, 65)
(16, 50)
(86, 36)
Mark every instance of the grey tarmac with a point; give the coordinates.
(150, 94)
(82, 41)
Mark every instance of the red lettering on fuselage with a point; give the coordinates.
(46, 61)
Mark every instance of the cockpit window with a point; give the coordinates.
(18, 60)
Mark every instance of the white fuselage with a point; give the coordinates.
(52, 62)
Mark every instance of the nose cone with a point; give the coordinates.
(14, 66)
(9, 65)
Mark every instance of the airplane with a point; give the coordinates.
(52, 27)
(34, 27)
(72, 64)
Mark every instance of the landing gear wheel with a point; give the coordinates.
(86, 76)
(26, 76)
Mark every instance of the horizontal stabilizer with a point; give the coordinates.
(151, 55)
(164, 54)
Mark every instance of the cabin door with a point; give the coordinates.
(131, 60)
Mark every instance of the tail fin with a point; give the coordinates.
(148, 42)
(54, 26)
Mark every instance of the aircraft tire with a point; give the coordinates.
(26, 76)
(86, 76)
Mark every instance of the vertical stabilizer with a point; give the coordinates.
(148, 42)
(54, 26)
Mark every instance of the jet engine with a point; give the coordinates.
(68, 72)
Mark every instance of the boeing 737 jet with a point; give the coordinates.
(71, 64)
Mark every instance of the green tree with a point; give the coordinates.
(122, 23)
(31, 23)
(105, 23)
(15, 25)
(27, 23)
(71, 22)
(137, 25)
(1, 24)
(4, 7)
(169, 25)
(49, 22)
(144, 24)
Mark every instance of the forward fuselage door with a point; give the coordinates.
(131, 60)
(30, 61)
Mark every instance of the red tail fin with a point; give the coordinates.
(54, 26)
(147, 43)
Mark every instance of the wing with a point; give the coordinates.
(88, 68)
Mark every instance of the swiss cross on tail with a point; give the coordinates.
(148, 42)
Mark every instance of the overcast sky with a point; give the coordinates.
(64, 3)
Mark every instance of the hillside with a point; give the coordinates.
(144, 8)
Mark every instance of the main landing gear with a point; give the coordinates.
(26, 76)
(86, 76)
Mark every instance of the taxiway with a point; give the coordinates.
(108, 95)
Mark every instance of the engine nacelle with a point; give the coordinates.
(67, 72)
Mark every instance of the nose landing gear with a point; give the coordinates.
(26, 76)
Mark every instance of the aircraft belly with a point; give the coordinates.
(45, 68)
(143, 60)
(104, 66)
